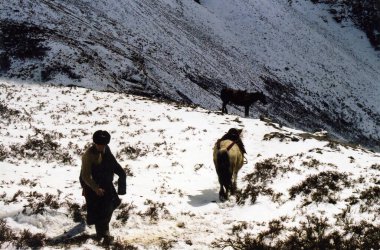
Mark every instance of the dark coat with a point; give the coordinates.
(100, 208)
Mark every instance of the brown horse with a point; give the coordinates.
(228, 159)
(241, 98)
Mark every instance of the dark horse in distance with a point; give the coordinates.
(240, 98)
(228, 158)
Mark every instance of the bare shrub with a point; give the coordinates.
(6, 233)
(364, 236)
(118, 245)
(314, 233)
(74, 242)
(246, 241)
(30, 240)
(166, 244)
(352, 200)
(313, 163)
(124, 214)
(124, 120)
(35, 148)
(7, 113)
(34, 208)
(75, 211)
(375, 166)
(51, 201)
(239, 227)
(38, 203)
(154, 210)
(251, 192)
(131, 152)
(264, 172)
(333, 145)
(321, 187)
(41, 146)
(281, 136)
(371, 197)
(3, 153)
(68, 242)
(128, 171)
(15, 196)
(27, 182)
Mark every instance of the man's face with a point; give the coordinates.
(100, 147)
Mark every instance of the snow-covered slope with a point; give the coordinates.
(294, 182)
(317, 74)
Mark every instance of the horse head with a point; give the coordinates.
(258, 96)
(234, 132)
(263, 98)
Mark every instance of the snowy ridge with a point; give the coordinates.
(172, 188)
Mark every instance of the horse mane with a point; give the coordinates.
(233, 135)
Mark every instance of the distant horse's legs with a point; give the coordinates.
(224, 108)
(246, 111)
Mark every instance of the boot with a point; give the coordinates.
(108, 239)
(101, 231)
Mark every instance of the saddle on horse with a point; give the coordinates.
(233, 135)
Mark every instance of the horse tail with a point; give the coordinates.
(223, 169)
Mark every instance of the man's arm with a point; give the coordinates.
(122, 182)
(86, 173)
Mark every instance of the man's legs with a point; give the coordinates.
(102, 229)
(102, 226)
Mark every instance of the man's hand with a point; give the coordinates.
(100, 192)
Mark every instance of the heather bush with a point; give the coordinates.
(321, 187)
(312, 233)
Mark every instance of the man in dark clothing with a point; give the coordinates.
(98, 168)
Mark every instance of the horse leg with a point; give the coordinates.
(246, 111)
(224, 108)
(222, 194)
(234, 186)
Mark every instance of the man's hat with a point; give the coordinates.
(101, 137)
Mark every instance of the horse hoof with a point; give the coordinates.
(223, 198)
